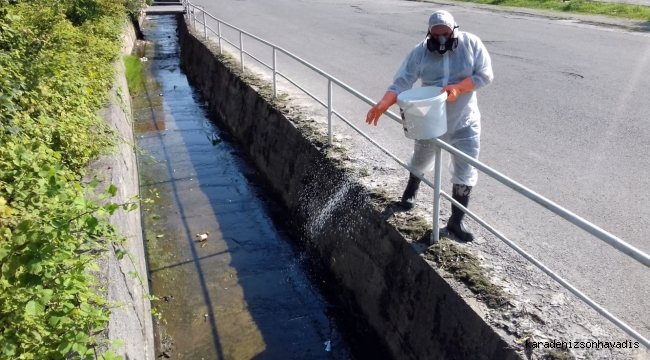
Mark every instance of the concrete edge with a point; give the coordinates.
(410, 306)
(131, 321)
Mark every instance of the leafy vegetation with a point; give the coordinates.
(56, 67)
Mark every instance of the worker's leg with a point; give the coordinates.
(464, 177)
(421, 162)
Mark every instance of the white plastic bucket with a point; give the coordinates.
(424, 112)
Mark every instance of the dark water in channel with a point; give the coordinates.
(244, 293)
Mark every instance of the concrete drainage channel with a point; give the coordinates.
(229, 282)
(334, 277)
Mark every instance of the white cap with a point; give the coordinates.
(442, 17)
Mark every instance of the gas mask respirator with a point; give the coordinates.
(442, 44)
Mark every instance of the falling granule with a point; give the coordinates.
(316, 225)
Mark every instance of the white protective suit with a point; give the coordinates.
(469, 59)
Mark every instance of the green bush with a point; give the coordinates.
(56, 67)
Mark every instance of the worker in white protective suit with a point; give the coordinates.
(460, 64)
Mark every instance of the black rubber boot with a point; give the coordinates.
(411, 192)
(456, 225)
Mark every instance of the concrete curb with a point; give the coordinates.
(408, 304)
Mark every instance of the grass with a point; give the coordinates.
(134, 76)
(625, 11)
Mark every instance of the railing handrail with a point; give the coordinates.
(565, 214)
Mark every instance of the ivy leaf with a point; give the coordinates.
(117, 343)
(92, 223)
(14, 130)
(34, 266)
(85, 307)
(3, 253)
(80, 348)
(46, 295)
(56, 320)
(80, 202)
(81, 337)
(64, 347)
(34, 308)
(8, 349)
(93, 267)
(24, 225)
(111, 208)
(37, 336)
(109, 355)
(98, 329)
(120, 254)
(20, 239)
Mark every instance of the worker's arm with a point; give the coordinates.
(407, 74)
(382, 106)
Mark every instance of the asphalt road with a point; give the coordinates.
(567, 116)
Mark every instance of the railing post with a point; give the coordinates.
(329, 112)
(205, 26)
(194, 17)
(241, 50)
(219, 33)
(435, 235)
(275, 71)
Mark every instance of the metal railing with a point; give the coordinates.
(592, 229)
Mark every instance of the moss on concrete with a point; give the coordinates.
(365, 172)
(415, 228)
(558, 355)
(380, 196)
(466, 267)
